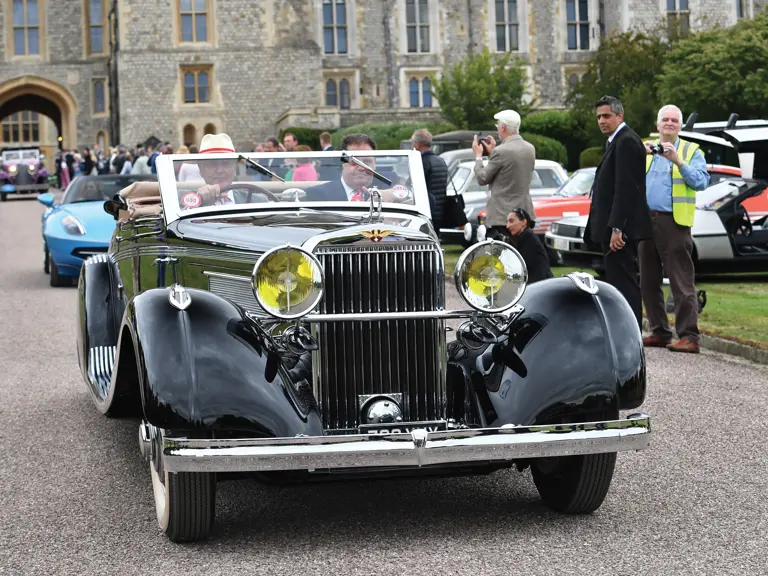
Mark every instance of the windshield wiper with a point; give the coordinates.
(345, 159)
(260, 168)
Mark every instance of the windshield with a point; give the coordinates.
(577, 185)
(13, 156)
(98, 188)
(30, 154)
(459, 177)
(545, 178)
(302, 177)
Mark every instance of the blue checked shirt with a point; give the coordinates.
(658, 180)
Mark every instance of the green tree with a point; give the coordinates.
(625, 66)
(477, 87)
(720, 71)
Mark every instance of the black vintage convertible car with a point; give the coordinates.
(296, 329)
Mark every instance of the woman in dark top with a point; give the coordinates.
(519, 224)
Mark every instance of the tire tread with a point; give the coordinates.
(192, 506)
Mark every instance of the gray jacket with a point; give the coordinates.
(509, 172)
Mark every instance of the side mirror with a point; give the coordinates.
(46, 199)
(115, 205)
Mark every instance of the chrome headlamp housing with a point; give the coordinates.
(288, 282)
(491, 276)
(12, 169)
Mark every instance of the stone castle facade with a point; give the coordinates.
(124, 70)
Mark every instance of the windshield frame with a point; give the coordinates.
(166, 177)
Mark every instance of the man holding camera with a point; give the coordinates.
(675, 170)
(508, 172)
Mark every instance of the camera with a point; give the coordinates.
(483, 143)
(657, 149)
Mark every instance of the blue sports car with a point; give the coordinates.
(78, 227)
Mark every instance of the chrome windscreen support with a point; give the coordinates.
(375, 215)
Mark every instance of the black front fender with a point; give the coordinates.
(209, 367)
(570, 355)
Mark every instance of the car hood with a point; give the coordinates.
(560, 204)
(575, 221)
(261, 232)
(97, 223)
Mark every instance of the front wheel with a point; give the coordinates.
(574, 484)
(57, 280)
(185, 503)
(46, 261)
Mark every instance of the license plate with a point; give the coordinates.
(401, 427)
(561, 244)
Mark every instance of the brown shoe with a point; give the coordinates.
(684, 345)
(655, 342)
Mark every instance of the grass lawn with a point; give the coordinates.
(735, 310)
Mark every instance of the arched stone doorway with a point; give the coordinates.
(44, 97)
(210, 128)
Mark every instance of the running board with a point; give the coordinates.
(101, 363)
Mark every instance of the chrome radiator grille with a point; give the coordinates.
(391, 356)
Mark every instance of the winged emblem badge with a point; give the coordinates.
(376, 235)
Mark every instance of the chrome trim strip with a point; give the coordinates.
(416, 449)
(376, 316)
(246, 279)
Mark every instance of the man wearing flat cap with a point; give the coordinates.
(508, 172)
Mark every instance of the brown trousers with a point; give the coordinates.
(670, 247)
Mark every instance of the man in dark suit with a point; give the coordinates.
(325, 142)
(619, 215)
(355, 180)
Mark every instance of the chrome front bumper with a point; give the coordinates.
(411, 450)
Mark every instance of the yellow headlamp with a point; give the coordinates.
(491, 276)
(288, 282)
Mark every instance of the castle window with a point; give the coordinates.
(577, 15)
(196, 84)
(96, 16)
(335, 26)
(507, 26)
(194, 20)
(26, 27)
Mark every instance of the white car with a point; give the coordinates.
(548, 176)
(729, 232)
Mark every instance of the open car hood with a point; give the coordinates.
(752, 145)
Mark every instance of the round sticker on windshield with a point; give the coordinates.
(399, 191)
(191, 200)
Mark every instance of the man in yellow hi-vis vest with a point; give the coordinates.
(675, 170)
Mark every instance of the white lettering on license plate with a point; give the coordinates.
(561, 244)
(401, 430)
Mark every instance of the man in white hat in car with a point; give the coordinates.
(217, 173)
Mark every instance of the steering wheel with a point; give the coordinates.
(745, 226)
(251, 189)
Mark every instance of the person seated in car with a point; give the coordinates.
(355, 180)
(217, 174)
(519, 225)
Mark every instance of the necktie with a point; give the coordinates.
(358, 195)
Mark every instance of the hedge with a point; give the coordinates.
(560, 125)
(590, 157)
(547, 148)
(389, 135)
(308, 136)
